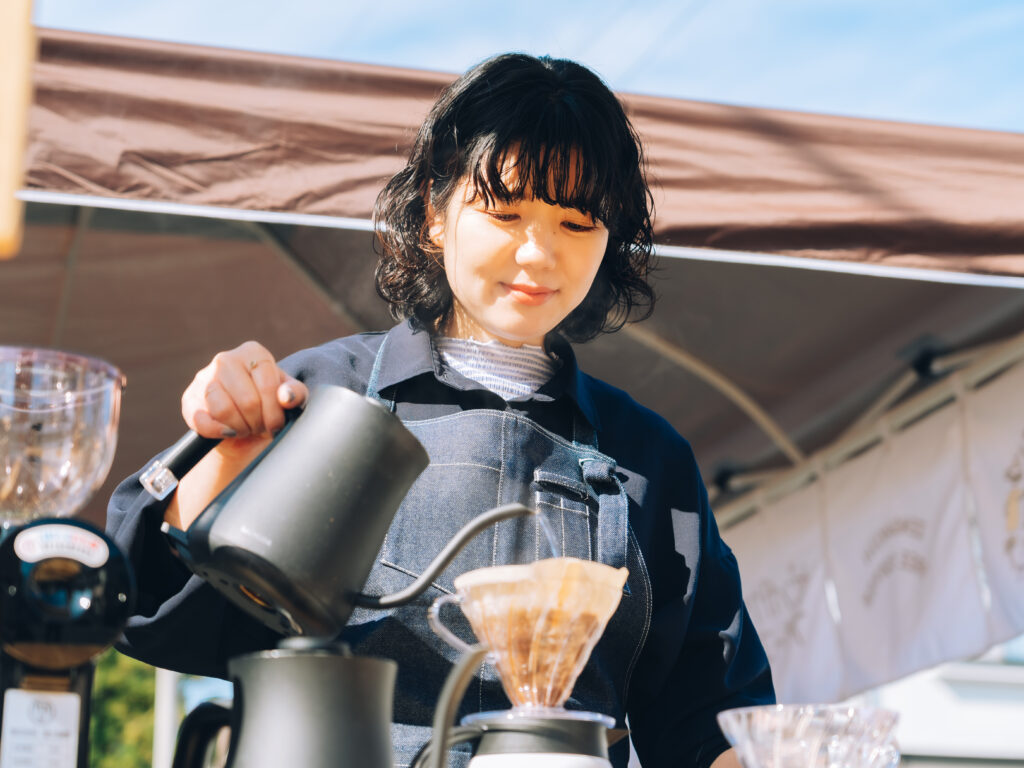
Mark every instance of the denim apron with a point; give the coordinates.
(481, 459)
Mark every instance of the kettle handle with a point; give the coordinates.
(198, 729)
(160, 477)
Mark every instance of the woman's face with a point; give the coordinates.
(516, 270)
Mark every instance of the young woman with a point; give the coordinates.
(521, 222)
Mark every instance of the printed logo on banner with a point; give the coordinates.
(1015, 509)
(783, 567)
(995, 452)
(781, 604)
(895, 547)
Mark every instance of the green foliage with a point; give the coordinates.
(121, 731)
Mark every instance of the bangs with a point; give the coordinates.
(560, 162)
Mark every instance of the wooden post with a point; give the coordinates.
(17, 53)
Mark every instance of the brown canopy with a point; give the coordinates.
(154, 121)
(127, 134)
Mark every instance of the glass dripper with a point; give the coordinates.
(58, 431)
(540, 622)
(812, 736)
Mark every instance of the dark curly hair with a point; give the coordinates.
(573, 147)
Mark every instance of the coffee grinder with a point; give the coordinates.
(65, 589)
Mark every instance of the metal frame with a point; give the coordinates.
(663, 251)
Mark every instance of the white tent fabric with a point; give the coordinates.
(784, 586)
(899, 544)
(994, 416)
(920, 538)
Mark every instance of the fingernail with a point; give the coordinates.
(289, 395)
(228, 432)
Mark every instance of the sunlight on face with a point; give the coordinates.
(516, 269)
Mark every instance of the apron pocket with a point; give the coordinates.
(442, 500)
(570, 513)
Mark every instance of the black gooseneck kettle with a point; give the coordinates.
(291, 541)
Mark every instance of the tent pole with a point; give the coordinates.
(991, 360)
(82, 219)
(940, 366)
(702, 370)
(954, 360)
(691, 253)
(165, 718)
(888, 271)
(882, 404)
(222, 213)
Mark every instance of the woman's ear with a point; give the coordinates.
(436, 233)
(435, 226)
(435, 221)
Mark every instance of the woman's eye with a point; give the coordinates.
(575, 226)
(502, 216)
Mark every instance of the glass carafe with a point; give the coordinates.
(812, 736)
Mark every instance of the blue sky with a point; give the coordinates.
(949, 62)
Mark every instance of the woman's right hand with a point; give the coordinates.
(241, 393)
(242, 396)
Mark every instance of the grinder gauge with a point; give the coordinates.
(67, 593)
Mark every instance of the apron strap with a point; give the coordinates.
(612, 509)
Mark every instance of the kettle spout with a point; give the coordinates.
(439, 563)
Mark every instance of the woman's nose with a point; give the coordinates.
(537, 248)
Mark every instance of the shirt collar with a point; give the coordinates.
(409, 353)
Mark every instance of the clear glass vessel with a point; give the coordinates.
(58, 431)
(812, 736)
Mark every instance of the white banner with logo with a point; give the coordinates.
(779, 551)
(899, 545)
(994, 416)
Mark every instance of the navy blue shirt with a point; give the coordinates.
(701, 654)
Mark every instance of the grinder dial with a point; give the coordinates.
(65, 593)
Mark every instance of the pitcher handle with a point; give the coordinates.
(452, 691)
(434, 619)
(198, 729)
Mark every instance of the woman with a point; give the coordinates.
(522, 221)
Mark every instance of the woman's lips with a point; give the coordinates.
(531, 295)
